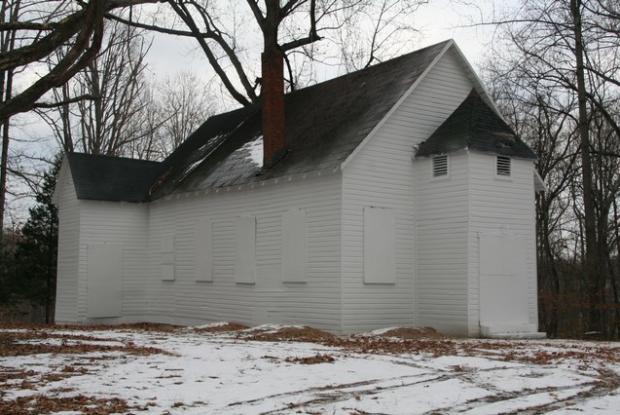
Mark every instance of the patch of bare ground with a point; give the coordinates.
(228, 327)
(293, 333)
(21, 343)
(311, 360)
(40, 404)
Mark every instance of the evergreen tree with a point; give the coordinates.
(35, 255)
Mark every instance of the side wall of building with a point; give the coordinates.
(124, 225)
(186, 296)
(502, 206)
(68, 242)
(382, 175)
(442, 222)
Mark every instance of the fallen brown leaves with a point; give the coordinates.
(21, 343)
(311, 360)
(87, 405)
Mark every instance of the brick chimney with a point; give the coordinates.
(272, 100)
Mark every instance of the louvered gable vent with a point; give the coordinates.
(503, 166)
(440, 165)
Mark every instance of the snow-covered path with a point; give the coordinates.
(220, 374)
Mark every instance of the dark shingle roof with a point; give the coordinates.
(324, 124)
(475, 126)
(112, 178)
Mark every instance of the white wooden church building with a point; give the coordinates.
(403, 199)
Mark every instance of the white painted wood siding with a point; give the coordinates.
(442, 209)
(316, 301)
(503, 204)
(124, 224)
(68, 242)
(382, 174)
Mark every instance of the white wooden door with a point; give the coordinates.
(503, 280)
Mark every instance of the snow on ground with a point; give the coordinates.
(220, 373)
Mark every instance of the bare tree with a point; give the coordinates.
(9, 13)
(288, 29)
(185, 105)
(42, 29)
(117, 115)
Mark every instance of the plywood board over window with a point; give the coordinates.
(203, 252)
(294, 246)
(166, 258)
(245, 254)
(379, 246)
(105, 280)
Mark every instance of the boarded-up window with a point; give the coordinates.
(166, 258)
(104, 280)
(294, 246)
(203, 255)
(245, 258)
(379, 246)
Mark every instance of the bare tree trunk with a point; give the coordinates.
(5, 155)
(592, 257)
(6, 91)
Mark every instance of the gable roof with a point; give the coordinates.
(324, 124)
(97, 177)
(475, 126)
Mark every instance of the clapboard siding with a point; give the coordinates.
(315, 301)
(441, 251)
(382, 174)
(501, 204)
(117, 223)
(68, 242)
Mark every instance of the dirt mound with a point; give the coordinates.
(221, 328)
(413, 333)
(290, 333)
